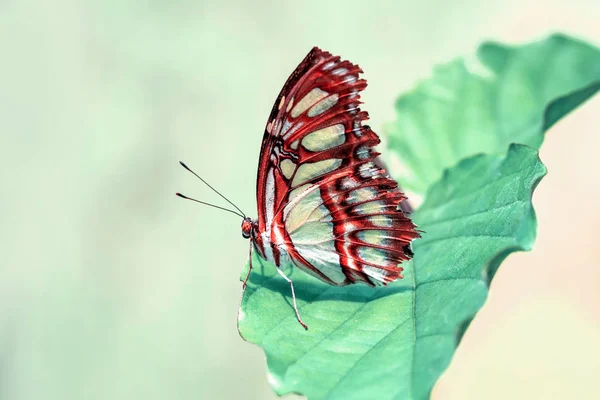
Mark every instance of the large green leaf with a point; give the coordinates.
(394, 342)
(482, 104)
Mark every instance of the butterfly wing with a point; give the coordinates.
(321, 198)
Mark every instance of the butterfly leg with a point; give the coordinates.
(249, 269)
(244, 290)
(293, 297)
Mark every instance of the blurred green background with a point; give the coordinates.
(112, 288)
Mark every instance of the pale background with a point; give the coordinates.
(112, 288)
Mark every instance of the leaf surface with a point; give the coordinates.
(394, 342)
(481, 104)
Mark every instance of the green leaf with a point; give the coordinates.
(475, 105)
(394, 342)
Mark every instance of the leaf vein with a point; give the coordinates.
(355, 363)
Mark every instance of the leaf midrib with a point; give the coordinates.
(414, 317)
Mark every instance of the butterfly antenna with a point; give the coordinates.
(208, 204)
(215, 190)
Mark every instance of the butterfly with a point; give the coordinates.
(325, 205)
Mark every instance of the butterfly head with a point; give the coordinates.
(247, 225)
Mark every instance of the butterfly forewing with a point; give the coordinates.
(322, 200)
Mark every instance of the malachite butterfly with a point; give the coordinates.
(325, 203)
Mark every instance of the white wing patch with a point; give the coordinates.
(297, 192)
(270, 211)
(372, 236)
(363, 153)
(349, 183)
(313, 234)
(368, 170)
(287, 167)
(375, 273)
(323, 105)
(307, 101)
(382, 221)
(305, 209)
(361, 194)
(308, 222)
(323, 257)
(308, 171)
(325, 138)
(340, 71)
(375, 256)
(313, 239)
(371, 207)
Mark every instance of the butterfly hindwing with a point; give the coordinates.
(321, 198)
